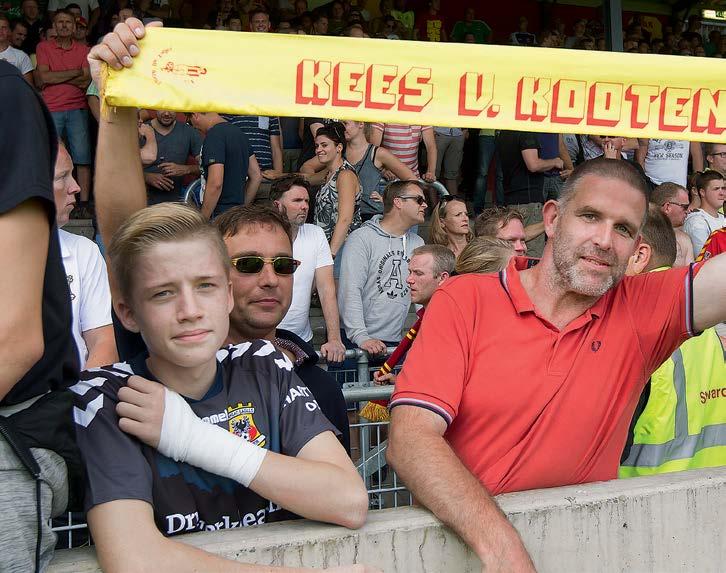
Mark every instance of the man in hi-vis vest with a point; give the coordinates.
(680, 422)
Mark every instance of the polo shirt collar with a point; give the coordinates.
(520, 299)
(57, 46)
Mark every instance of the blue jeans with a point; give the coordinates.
(486, 152)
(72, 127)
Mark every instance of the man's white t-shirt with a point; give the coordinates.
(699, 225)
(88, 282)
(87, 6)
(312, 250)
(18, 58)
(667, 161)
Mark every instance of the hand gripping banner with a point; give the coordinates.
(455, 85)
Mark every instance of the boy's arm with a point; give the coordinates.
(163, 420)
(127, 539)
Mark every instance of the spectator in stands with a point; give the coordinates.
(320, 24)
(262, 299)
(86, 274)
(523, 37)
(337, 204)
(259, 20)
(355, 31)
(38, 357)
(716, 157)
(701, 223)
(88, 9)
(505, 224)
(656, 444)
(337, 21)
(226, 163)
(139, 253)
(405, 16)
(714, 245)
(486, 148)
(523, 172)
(484, 255)
(63, 73)
(81, 33)
(175, 245)
(403, 142)
(552, 146)
(310, 127)
(470, 25)
(611, 332)
(263, 136)
(672, 199)
(431, 25)
(578, 34)
(234, 23)
(378, 25)
(714, 43)
(12, 55)
(18, 34)
(176, 142)
(665, 160)
(218, 16)
(373, 296)
(34, 24)
(449, 155)
(450, 224)
(428, 269)
(291, 196)
(372, 164)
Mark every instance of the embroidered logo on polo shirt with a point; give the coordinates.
(595, 346)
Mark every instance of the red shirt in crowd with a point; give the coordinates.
(65, 96)
(402, 141)
(527, 405)
(714, 245)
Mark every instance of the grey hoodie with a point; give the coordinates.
(373, 296)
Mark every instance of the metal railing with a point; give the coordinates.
(368, 449)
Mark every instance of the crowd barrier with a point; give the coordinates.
(368, 450)
(670, 523)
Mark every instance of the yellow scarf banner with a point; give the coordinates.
(454, 85)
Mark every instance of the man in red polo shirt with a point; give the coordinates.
(63, 73)
(468, 422)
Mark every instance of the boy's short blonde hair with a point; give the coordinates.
(162, 223)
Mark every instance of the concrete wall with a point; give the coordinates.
(665, 523)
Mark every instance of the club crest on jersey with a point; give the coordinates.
(242, 423)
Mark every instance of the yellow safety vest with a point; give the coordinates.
(683, 425)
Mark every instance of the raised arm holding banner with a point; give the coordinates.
(457, 85)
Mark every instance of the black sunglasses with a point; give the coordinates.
(252, 264)
(420, 199)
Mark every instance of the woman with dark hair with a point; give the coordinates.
(450, 224)
(337, 205)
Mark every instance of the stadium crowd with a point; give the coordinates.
(172, 361)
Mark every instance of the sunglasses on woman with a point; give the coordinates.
(252, 264)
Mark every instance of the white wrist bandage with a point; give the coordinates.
(185, 438)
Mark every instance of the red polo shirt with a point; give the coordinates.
(527, 405)
(63, 97)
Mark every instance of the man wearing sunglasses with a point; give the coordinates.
(373, 297)
(716, 157)
(673, 202)
(259, 243)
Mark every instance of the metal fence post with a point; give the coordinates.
(364, 374)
